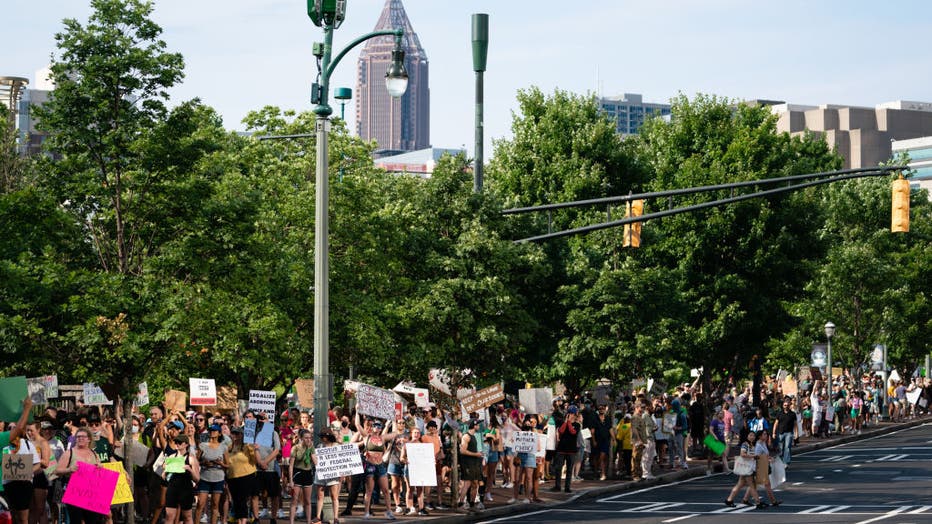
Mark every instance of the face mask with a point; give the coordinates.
(135, 429)
(96, 434)
(345, 424)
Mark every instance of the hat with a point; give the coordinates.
(176, 424)
(46, 425)
(236, 429)
(214, 427)
(474, 423)
(431, 405)
(572, 409)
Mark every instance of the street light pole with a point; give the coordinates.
(829, 333)
(329, 14)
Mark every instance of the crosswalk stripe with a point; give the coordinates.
(667, 506)
(836, 509)
(883, 458)
(920, 509)
(898, 457)
(814, 510)
(726, 509)
(647, 507)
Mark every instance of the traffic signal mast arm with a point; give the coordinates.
(822, 178)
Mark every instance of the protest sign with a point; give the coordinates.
(264, 434)
(586, 433)
(12, 392)
(226, 398)
(782, 375)
(422, 397)
(440, 379)
(350, 385)
(121, 494)
(536, 401)
(249, 430)
(138, 453)
(338, 461)
(894, 376)
(142, 394)
(815, 373)
(94, 396)
(421, 464)
(913, 396)
(263, 401)
(174, 464)
(483, 398)
(541, 448)
(91, 488)
(36, 389)
(656, 387)
(304, 387)
(525, 442)
(790, 387)
(375, 402)
(17, 467)
(203, 391)
(405, 387)
(175, 400)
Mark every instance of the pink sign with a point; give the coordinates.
(91, 488)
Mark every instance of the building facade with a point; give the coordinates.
(862, 135)
(920, 160)
(401, 124)
(630, 111)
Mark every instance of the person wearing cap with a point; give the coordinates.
(269, 471)
(567, 448)
(213, 459)
(375, 445)
(241, 477)
(470, 465)
(179, 493)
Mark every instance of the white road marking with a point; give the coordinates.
(814, 510)
(836, 509)
(921, 509)
(651, 488)
(836, 459)
(883, 458)
(684, 517)
(885, 515)
(898, 457)
(647, 507)
(667, 507)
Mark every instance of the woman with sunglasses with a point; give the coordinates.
(212, 455)
(81, 452)
(179, 494)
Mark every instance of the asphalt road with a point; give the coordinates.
(885, 479)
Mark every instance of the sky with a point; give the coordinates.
(241, 55)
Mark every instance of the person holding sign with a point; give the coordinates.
(241, 476)
(375, 445)
(81, 452)
(303, 461)
(18, 491)
(331, 485)
(212, 455)
(179, 495)
(413, 494)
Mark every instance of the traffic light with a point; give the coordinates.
(632, 232)
(900, 219)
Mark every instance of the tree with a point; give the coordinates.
(110, 86)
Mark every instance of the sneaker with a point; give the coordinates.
(526, 501)
(512, 500)
(488, 496)
(423, 512)
(649, 477)
(367, 516)
(577, 478)
(441, 507)
(299, 513)
(399, 510)
(478, 499)
(603, 478)
(508, 485)
(411, 511)
(204, 518)
(480, 506)
(389, 515)
(263, 513)
(281, 514)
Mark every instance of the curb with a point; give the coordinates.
(664, 478)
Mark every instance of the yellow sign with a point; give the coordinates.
(122, 494)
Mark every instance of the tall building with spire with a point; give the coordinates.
(401, 124)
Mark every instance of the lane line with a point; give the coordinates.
(651, 488)
(684, 517)
(813, 510)
(921, 509)
(898, 457)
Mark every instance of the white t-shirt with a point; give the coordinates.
(27, 448)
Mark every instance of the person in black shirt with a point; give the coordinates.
(567, 448)
(786, 431)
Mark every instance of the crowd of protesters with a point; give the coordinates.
(633, 437)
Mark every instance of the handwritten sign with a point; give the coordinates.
(525, 442)
(421, 464)
(338, 461)
(176, 400)
(440, 379)
(17, 467)
(122, 494)
(790, 387)
(203, 391)
(536, 401)
(375, 402)
(304, 387)
(39, 391)
(142, 394)
(421, 397)
(91, 488)
(249, 430)
(483, 398)
(263, 401)
(138, 453)
(94, 396)
(226, 398)
(174, 464)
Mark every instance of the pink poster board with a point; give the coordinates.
(91, 488)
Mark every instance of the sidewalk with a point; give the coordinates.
(591, 487)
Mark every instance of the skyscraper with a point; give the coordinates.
(395, 124)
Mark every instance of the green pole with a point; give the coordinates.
(480, 52)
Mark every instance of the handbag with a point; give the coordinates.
(743, 466)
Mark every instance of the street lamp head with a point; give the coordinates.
(829, 329)
(396, 78)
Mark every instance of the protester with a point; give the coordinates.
(179, 493)
(470, 462)
(213, 458)
(302, 479)
(81, 452)
(241, 476)
(786, 431)
(330, 486)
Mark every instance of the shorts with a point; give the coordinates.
(472, 470)
(327, 482)
(397, 470)
(18, 494)
(376, 470)
(550, 454)
(204, 486)
(270, 482)
(528, 460)
(493, 457)
(179, 498)
(303, 477)
(510, 451)
(40, 481)
(604, 447)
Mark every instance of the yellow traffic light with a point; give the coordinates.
(632, 232)
(900, 218)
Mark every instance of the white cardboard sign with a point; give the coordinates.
(421, 464)
(204, 392)
(338, 461)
